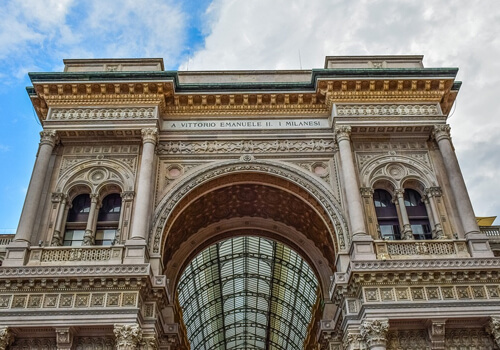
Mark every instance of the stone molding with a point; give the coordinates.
(128, 336)
(248, 146)
(96, 270)
(48, 137)
(348, 110)
(374, 332)
(437, 264)
(95, 114)
(316, 188)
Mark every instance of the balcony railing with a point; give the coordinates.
(413, 249)
(72, 255)
(491, 231)
(6, 238)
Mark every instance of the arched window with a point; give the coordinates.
(76, 221)
(417, 214)
(387, 215)
(108, 219)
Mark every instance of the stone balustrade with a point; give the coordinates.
(428, 249)
(491, 231)
(85, 255)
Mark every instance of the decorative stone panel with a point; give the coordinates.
(102, 114)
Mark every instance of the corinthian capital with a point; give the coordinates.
(441, 131)
(150, 135)
(374, 332)
(48, 137)
(493, 328)
(128, 336)
(6, 338)
(343, 133)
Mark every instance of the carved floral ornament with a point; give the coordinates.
(128, 336)
(95, 174)
(374, 332)
(316, 188)
(93, 114)
(48, 137)
(396, 169)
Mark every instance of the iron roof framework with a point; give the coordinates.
(247, 293)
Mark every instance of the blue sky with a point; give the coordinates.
(36, 35)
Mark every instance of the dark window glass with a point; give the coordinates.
(107, 220)
(417, 214)
(80, 208)
(387, 215)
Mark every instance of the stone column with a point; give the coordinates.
(350, 177)
(433, 212)
(64, 338)
(6, 338)
(406, 232)
(141, 215)
(48, 139)
(374, 333)
(128, 336)
(442, 135)
(89, 237)
(62, 213)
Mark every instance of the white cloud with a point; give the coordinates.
(263, 34)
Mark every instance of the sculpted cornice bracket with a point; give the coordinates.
(64, 338)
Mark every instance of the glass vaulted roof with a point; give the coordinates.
(247, 293)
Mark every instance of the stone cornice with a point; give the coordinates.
(314, 97)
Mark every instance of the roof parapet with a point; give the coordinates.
(389, 61)
(113, 65)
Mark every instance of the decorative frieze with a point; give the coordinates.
(362, 110)
(468, 338)
(6, 338)
(414, 339)
(97, 114)
(69, 300)
(247, 146)
(34, 343)
(493, 328)
(94, 343)
(431, 293)
(97, 270)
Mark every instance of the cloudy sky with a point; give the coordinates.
(36, 35)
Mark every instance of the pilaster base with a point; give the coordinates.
(479, 245)
(362, 248)
(136, 252)
(16, 254)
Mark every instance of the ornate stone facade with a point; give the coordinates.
(354, 170)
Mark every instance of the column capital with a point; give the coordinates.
(127, 195)
(149, 135)
(128, 336)
(6, 337)
(374, 332)
(366, 192)
(434, 192)
(493, 328)
(343, 133)
(58, 197)
(399, 193)
(441, 131)
(48, 137)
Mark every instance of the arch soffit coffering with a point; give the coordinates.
(396, 171)
(97, 175)
(284, 171)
